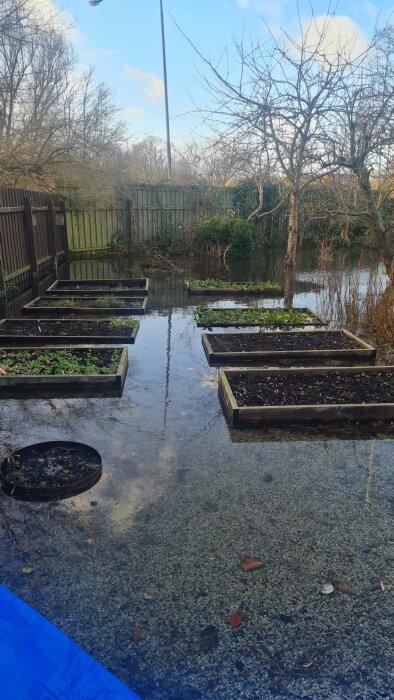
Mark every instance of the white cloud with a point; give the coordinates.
(154, 86)
(134, 111)
(243, 3)
(333, 35)
(46, 12)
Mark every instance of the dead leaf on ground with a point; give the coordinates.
(235, 619)
(137, 633)
(344, 587)
(308, 663)
(251, 563)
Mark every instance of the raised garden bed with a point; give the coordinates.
(304, 345)
(90, 306)
(215, 286)
(76, 370)
(209, 318)
(258, 397)
(38, 331)
(50, 471)
(139, 286)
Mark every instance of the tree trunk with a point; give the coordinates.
(383, 237)
(292, 230)
(288, 286)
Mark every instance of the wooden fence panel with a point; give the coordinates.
(159, 210)
(22, 232)
(95, 229)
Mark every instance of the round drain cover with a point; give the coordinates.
(50, 470)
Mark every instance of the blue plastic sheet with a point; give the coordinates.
(39, 662)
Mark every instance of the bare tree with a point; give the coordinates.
(277, 99)
(361, 136)
(52, 115)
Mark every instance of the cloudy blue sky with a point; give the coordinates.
(121, 38)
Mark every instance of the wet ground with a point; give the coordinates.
(143, 571)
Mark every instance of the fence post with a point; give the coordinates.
(51, 224)
(31, 245)
(3, 298)
(66, 248)
(130, 224)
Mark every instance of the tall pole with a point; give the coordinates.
(163, 43)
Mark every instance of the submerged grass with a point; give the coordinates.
(369, 314)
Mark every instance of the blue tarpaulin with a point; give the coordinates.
(39, 662)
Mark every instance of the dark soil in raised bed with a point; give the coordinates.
(63, 328)
(98, 287)
(83, 302)
(254, 342)
(43, 466)
(301, 389)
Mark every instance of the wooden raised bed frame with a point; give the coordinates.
(269, 324)
(227, 291)
(258, 416)
(51, 311)
(78, 385)
(139, 286)
(362, 352)
(34, 340)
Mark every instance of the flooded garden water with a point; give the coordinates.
(145, 570)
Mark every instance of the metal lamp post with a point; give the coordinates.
(94, 3)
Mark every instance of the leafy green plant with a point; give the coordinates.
(224, 230)
(108, 302)
(275, 316)
(10, 291)
(127, 323)
(66, 303)
(226, 284)
(59, 362)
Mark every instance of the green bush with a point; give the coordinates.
(224, 230)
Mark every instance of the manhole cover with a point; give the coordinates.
(50, 470)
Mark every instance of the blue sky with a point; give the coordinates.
(121, 38)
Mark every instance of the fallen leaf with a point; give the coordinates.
(251, 563)
(137, 633)
(327, 589)
(344, 587)
(27, 570)
(308, 663)
(235, 619)
(89, 541)
(147, 596)
(382, 586)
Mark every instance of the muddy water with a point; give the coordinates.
(158, 542)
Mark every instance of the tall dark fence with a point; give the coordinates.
(33, 238)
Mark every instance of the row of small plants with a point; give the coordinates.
(277, 316)
(107, 302)
(212, 283)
